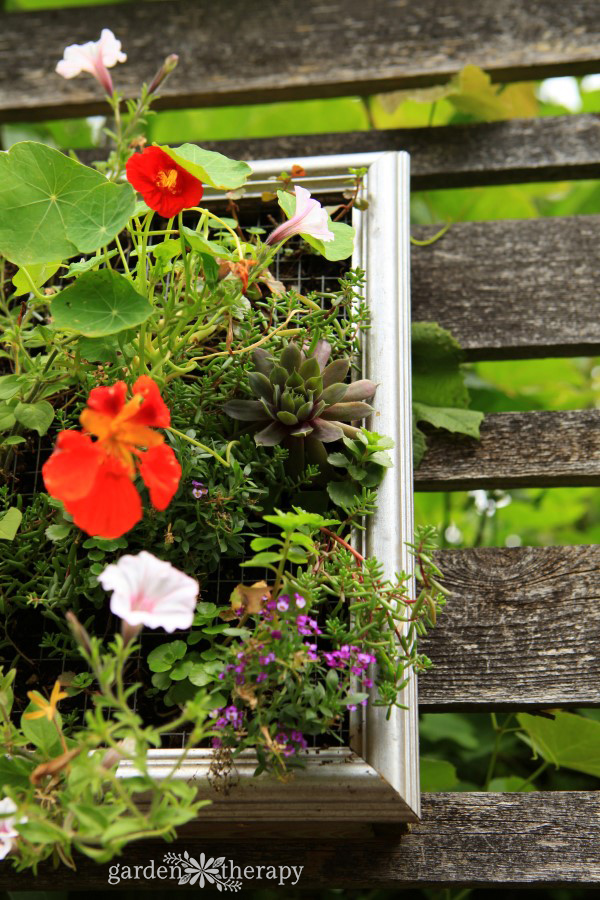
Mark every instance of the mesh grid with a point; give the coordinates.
(295, 268)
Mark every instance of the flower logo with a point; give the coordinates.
(203, 871)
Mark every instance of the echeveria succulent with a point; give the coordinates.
(302, 396)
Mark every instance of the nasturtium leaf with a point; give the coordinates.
(98, 304)
(437, 775)
(566, 740)
(9, 523)
(341, 247)
(53, 207)
(465, 421)
(211, 168)
(36, 416)
(39, 274)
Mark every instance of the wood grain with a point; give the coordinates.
(521, 629)
(471, 839)
(343, 47)
(521, 150)
(531, 449)
(512, 289)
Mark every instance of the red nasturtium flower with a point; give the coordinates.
(94, 479)
(166, 187)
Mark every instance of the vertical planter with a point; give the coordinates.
(376, 777)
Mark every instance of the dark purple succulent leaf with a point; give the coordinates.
(322, 353)
(318, 409)
(246, 410)
(334, 393)
(347, 412)
(326, 431)
(271, 435)
(310, 368)
(291, 357)
(302, 430)
(361, 390)
(335, 372)
(269, 409)
(263, 361)
(287, 418)
(261, 385)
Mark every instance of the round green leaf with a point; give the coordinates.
(53, 207)
(210, 167)
(98, 304)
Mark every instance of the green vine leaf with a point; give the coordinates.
(566, 740)
(464, 421)
(98, 304)
(53, 207)
(36, 416)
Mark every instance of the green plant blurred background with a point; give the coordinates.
(461, 752)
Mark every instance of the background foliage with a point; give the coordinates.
(460, 751)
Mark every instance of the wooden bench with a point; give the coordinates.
(513, 607)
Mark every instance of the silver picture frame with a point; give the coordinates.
(376, 778)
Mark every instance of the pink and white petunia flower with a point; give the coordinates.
(310, 218)
(8, 833)
(95, 57)
(151, 592)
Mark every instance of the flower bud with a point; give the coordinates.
(79, 632)
(165, 70)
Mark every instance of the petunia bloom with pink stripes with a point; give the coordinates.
(95, 57)
(310, 218)
(151, 592)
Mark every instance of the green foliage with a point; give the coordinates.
(99, 304)
(564, 739)
(210, 167)
(440, 395)
(52, 207)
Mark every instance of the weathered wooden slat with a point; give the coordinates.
(339, 48)
(521, 629)
(526, 288)
(521, 150)
(531, 449)
(472, 839)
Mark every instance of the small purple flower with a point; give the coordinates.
(312, 652)
(306, 625)
(265, 660)
(351, 707)
(217, 743)
(300, 601)
(368, 682)
(283, 604)
(198, 489)
(276, 634)
(261, 677)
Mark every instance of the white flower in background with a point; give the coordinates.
(8, 833)
(95, 57)
(148, 591)
(309, 218)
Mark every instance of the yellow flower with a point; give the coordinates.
(47, 708)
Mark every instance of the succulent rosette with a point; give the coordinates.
(302, 396)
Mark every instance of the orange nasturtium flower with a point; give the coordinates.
(47, 708)
(94, 479)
